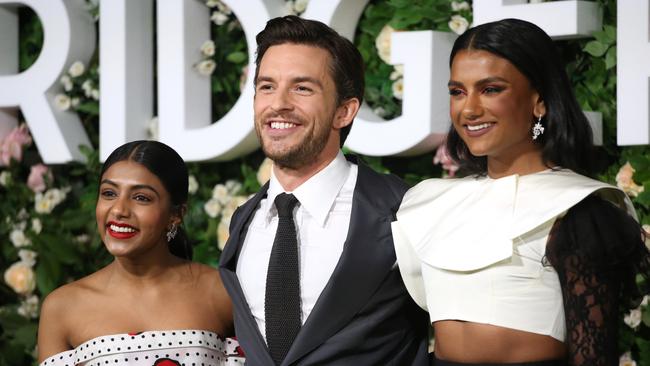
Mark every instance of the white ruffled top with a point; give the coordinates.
(160, 348)
(472, 249)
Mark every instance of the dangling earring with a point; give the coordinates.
(538, 129)
(171, 234)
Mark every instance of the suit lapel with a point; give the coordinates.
(248, 332)
(368, 255)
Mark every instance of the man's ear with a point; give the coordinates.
(346, 112)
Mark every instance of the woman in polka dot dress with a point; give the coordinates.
(151, 305)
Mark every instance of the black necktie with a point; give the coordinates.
(282, 299)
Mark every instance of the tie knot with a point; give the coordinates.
(285, 203)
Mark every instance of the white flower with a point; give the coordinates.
(18, 238)
(37, 226)
(44, 203)
(458, 6)
(87, 87)
(62, 102)
(398, 88)
(645, 300)
(23, 215)
(233, 186)
(192, 184)
(289, 8)
(633, 318)
(212, 207)
(264, 171)
(397, 73)
(152, 129)
(76, 69)
(382, 43)
(626, 360)
(20, 277)
(66, 82)
(82, 239)
(223, 8)
(300, 5)
(212, 3)
(74, 102)
(28, 257)
(219, 18)
(207, 48)
(206, 67)
(221, 193)
(625, 180)
(231, 206)
(95, 94)
(29, 307)
(5, 178)
(458, 24)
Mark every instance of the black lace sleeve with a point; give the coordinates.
(597, 251)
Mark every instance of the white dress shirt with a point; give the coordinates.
(322, 218)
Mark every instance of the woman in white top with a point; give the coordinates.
(151, 305)
(526, 260)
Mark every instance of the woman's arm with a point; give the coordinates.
(52, 332)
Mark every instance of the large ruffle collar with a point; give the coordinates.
(470, 223)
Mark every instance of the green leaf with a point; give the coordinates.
(644, 197)
(48, 273)
(595, 48)
(88, 107)
(610, 58)
(610, 32)
(237, 57)
(25, 336)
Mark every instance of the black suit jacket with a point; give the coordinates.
(364, 316)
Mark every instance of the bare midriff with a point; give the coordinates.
(468, 342)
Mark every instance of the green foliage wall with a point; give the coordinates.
(47, 230)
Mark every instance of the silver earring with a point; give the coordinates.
(171, 234)
(538, 129)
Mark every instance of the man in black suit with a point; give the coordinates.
(310, 263)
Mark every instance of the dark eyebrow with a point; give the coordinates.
(135, 187)
(492, 79)
(299, 79)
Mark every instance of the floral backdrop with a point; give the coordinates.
(47, 229)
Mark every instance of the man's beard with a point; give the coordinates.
(302, 154)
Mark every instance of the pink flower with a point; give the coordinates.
(442, 158)
(11, 147)
(37, 177)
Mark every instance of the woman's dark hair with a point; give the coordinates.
(165, 163)
(346, 65)
(567, 139)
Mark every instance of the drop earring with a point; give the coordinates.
(538, 129)
(171, 234)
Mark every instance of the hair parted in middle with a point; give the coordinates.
(346, 66)
(567, 139)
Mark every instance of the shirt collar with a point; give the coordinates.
(316, 195)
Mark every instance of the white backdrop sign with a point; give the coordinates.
(126, 59)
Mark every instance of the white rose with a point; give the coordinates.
(379, 111)
(95, 94)
(66, 82)
(192, 185)
(37, 226)
(230, 207)
(398, 88)
(152, 129)
(382, 43)
(20, 277)
(223, 8)
(458, 6)
(264, 171)
(219, 18)
(74, 102)
(206, 67)
(62, 102)
(625, 180)
(19, 239)
(5, 178)
(76, 69)
(42, 205)
(82, 239)
(29, 307)
(633, 318)
(207, 48)
(626, 360)
(458, 24)
(300, 6)
(211, 3)
(233, 186)
(645, 300)
(223, 233)
(212, 207)
(87, 87)
(28, 256)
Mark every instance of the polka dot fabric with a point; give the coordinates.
(155, 348)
